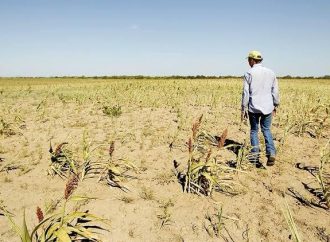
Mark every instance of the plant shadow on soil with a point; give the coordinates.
(234, 147)
(317, 193)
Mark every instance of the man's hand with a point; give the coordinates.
(244, 115)
(274, 112)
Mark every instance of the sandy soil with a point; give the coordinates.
(143, 135)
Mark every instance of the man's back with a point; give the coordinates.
(262, 89)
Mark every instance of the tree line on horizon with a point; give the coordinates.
(174, 77)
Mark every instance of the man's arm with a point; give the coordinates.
(245, 95)
(275, 93)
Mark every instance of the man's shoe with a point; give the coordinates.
(271, 160)
(258, 164)
(254, 159)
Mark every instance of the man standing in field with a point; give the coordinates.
(260, 99)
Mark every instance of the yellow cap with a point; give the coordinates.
(254, 54)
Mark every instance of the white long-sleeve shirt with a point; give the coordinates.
(260, 90)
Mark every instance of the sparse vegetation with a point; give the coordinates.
(62, 162)
(147, 193)
(150, 122)
(165, 216)
(215, 223)
(323, 178)
(321, 194)
(111, 171)
(291, 224)
(126, 199)
(113, 111)
(312, 119)
(5, 128)
(205, 172)
(60, 226)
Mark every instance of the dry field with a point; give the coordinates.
(101, 153)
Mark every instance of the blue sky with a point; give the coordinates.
(162, 37)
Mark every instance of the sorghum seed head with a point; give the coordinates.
(71, 185)
(223, 138)
(196, 126)
(58, 149)
(208, 155)
(40, 214)
(111, 148)
(190, 145)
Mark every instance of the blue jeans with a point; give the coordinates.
(265, 123)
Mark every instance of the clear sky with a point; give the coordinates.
(162, 37)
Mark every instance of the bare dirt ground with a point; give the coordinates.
(150, 121)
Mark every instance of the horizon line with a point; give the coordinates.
(327, 76)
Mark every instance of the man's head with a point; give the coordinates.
(254, 57)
